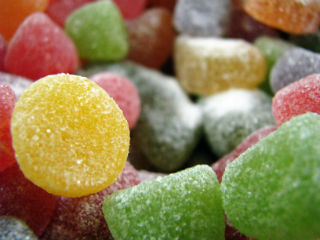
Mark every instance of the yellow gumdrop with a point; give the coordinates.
(69, 136)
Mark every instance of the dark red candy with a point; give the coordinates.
(131, 9)
(3, 51)
(22, 199)
(39, 48)
(82, 218)
(168, 4)
(255, 137)
(297, 98)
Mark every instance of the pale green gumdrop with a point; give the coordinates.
(272, 191)
(98, 31)
(184, 205)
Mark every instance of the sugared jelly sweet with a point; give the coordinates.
(69, 136)
(131, 9)
(297, 98)
(39, 48)
(18, 84)
(13, 12)
(151, 37)
(98, 32)
(7, 102)
(205, 66)
(12, 228)
(122, 90)
(168, 4)
(307, 41)
(21, 198)
(3, 52)
(184, 205)
(271, 191)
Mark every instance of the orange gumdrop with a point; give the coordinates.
(292, 16)
(13, 12)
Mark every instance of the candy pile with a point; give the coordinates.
(159, 119)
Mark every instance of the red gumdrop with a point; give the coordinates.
(131, 9)
(20, 198)
(297, 98)
(59, 10)
(252, 139)
(3, 51)
(7, 102)
(82, 218)
(39, 48)
(123, 92)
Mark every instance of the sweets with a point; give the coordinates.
(14, 229)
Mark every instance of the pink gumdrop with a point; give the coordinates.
(82, 218)
(123, 92)
(3, 51)
(297, 98)
(39, 48)
(21, 198)
(59, 10)
(252, 139)
(7, 102)
(131, 9)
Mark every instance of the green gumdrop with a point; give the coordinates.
(98, 31)
(272, 191)
(184, 205)
(308, 41)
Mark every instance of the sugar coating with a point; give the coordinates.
(292, 66)
(17, 83)
(12, 228)
(271, 191)
(206, 66)
(231, 116)
(69, 136)
(82, 218)
(170, 125)
(98, 32)
(201, 18)
(183, 205)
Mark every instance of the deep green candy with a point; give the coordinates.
(12, 228)
(98, 31)
(272, 191)
(308, 41)
(184, 205)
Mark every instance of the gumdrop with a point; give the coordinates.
(3, 51)
(131, 9)
(168, 4)
(292, 16)
(145, 175)
(18, 84)
(231, 116)
(98, 32)
(205, 66)
(12, 228)
(21, 198)
(124, 93)
(69, 136)
(183, 205)
(307, 41)
(82, 218)
(271, 191)
(57, 53)
(151, 38)
(202, 18)
(13, 12)
(297, 98)
(292, 66)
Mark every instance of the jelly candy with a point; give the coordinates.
(69, 136)
(292, 66)
(292, 16)
(166, 133)
(220, 165)
(131, 9)
(123, 92)
(21, 198)
(184, 205)
(12, 228)
(18, 84)
(145, 175)
(308, 41)
(59, 10)
(271, 191)
(297, 98)
(206, 66)
(3, 51)
(7, 102)
(168, 4)
(231, 116)
(202, 17)
(82, 218)
(13, 12)
(151, 37)
(56, 54)
(98, 32)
